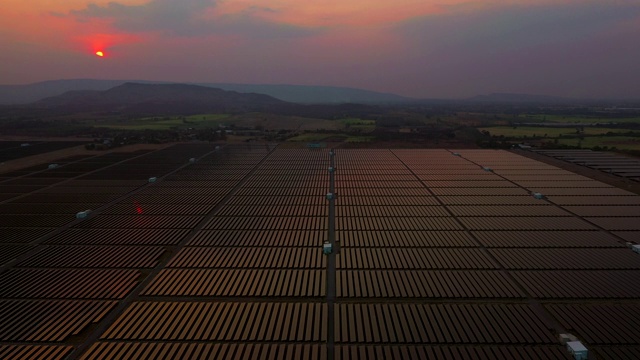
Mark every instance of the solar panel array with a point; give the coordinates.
(580, 271)
(12, 150)
(63, 275)
(438, 254)
(619, 165)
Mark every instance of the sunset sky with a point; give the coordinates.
(418, 48)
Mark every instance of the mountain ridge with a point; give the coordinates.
(301, 94)
(520, 98)
(158, 99)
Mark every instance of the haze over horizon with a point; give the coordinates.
(420, 49)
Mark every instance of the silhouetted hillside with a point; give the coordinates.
(154, 99)
(24, 94)
(317, 94)
(507, 98)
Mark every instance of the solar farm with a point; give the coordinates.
(623, 166)
(199, 251)
(11, 150)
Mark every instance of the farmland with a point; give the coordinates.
(419, 125)
(359, 124)
(549, 132)
(223, 255)
(619, 142)
(166, 123)
(576, 119)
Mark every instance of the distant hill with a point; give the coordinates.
(136, 98)
(24, 94)
(507, 98)
(317, 94)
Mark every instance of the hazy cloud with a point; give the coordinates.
(167, 16)
(514, 26)
(58, 14)
(528, 48)
(187, 18)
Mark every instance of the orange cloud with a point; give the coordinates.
(56, 25)
(353, 13)
(329, 13)
(56, 30)
(46, 6)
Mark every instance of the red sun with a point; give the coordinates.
(100, 53)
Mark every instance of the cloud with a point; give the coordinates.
(570, 49)
(167, 16)
(513, 26)
(189, 18)
(57, 14)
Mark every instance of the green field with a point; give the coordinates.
(573, 119)
(358, 124)
(157, 123)
(359, 139)
(207, 117)
(312, 137)
(619, 142)
(532, 131)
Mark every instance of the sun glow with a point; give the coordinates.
(138, 208)
(100, 53)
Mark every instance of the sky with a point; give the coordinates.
(416, 48)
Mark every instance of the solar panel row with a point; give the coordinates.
(612, 163)
(238, 283)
